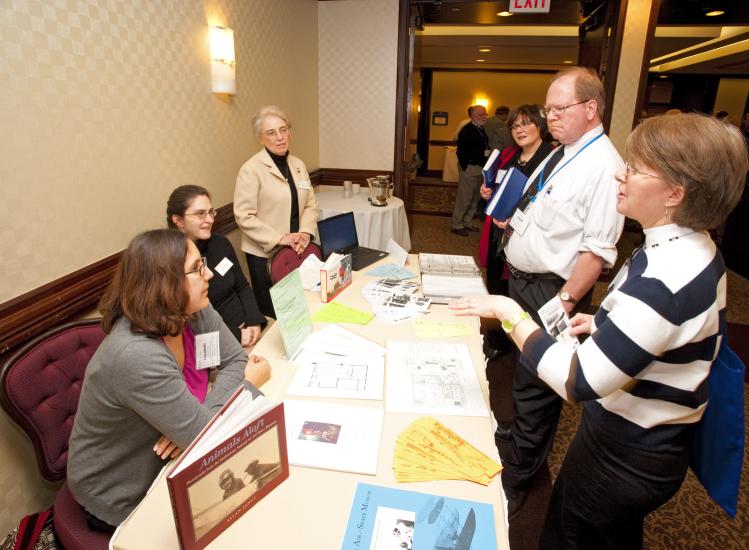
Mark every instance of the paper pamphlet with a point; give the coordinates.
(427, 451)
(382, 518)
(391, 271)
(433, 378)
(292, 314)
(342, 341)
(397, 253)
(436, 330)
(333, 437)
(335, 312)
(557, 322)
(309, 271)
(326, 375)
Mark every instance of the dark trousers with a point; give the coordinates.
(605, 489)
(261, 283)
(495, 284)
(536, 406)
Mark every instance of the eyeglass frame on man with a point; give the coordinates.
(203, 214)
(283, 131)
(200, 270)
(629, 170)
(559, 111)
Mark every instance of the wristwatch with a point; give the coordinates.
(508, 325)
(565, 297)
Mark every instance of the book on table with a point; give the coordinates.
(507, 195)
(335, 275)
(236, 460)
(382, 517)
(448, 276)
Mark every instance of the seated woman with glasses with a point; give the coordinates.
(641, 375)
(528, 128)
(189, 209)
(274, 203)
(143, 397)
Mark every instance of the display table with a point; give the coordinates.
(451, 170)
(310, 510)
(375, 225)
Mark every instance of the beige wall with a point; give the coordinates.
(358, 69)
(731, 97)
(104, 108)
(628, 78)
(454, 91)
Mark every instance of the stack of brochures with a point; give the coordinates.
(394, 300)
(428, 451)
(448, 276)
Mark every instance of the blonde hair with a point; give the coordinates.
(587, 86)
(699, 153)
(268, 110)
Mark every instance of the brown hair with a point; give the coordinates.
(587, 86)
(532, 113)
(149, 285)
(703, 155)
(180, 199)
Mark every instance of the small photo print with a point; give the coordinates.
(393, 529)
(320, 431)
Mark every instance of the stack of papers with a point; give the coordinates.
(428, 451)
(394, 301)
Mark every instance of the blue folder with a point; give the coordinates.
(507, 195)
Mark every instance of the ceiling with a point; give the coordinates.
(455, 30)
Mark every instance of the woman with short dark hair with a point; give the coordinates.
(145, 396)
(641, 375)
(189, 209)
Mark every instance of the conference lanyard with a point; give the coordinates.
(541, 181)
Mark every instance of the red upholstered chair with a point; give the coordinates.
(40, 386)
(282, 260)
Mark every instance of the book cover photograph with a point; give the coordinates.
(382, 519)
(335, 275)
(214, 489)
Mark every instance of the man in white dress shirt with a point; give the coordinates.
(564, 233)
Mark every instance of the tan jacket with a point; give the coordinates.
(262, 203)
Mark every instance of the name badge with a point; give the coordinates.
(303, 184)
(223, 266)
(520, 221)
(207, 350)
(500, 176)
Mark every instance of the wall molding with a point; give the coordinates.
(76, 293)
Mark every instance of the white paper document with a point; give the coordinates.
(432, 378)
(321, 374)
(336, 340)
(396, 252)
(557, 322)
(333, 437)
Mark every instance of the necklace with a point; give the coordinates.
(664, 241)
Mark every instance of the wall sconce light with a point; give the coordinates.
(223, 73)
(479, 100)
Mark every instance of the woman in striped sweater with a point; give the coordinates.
(641, 376)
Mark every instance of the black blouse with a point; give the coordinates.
(282, 162)
(230, 294)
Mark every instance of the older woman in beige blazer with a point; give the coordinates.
(274, 203)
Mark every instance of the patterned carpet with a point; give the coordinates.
(688, 521)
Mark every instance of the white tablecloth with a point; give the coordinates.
(375, 225)
(450, 170)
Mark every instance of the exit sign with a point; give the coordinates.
(530, 6)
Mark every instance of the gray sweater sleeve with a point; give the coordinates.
(153, 386)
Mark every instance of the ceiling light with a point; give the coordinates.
(568, 62)
(484, 50)
(662, 76)
(454, 9)
(504, 13)
(480, 60)
(713, 13)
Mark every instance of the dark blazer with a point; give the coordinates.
(230, 294)
(472, 143)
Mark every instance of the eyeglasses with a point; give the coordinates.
(283, 131)
(203, 214)
(200, 270)
(631, 170)
(558, 110)
(523, 124)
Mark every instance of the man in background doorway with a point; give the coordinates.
(496, 129)
(473, 149)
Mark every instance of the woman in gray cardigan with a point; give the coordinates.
(143, 399)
